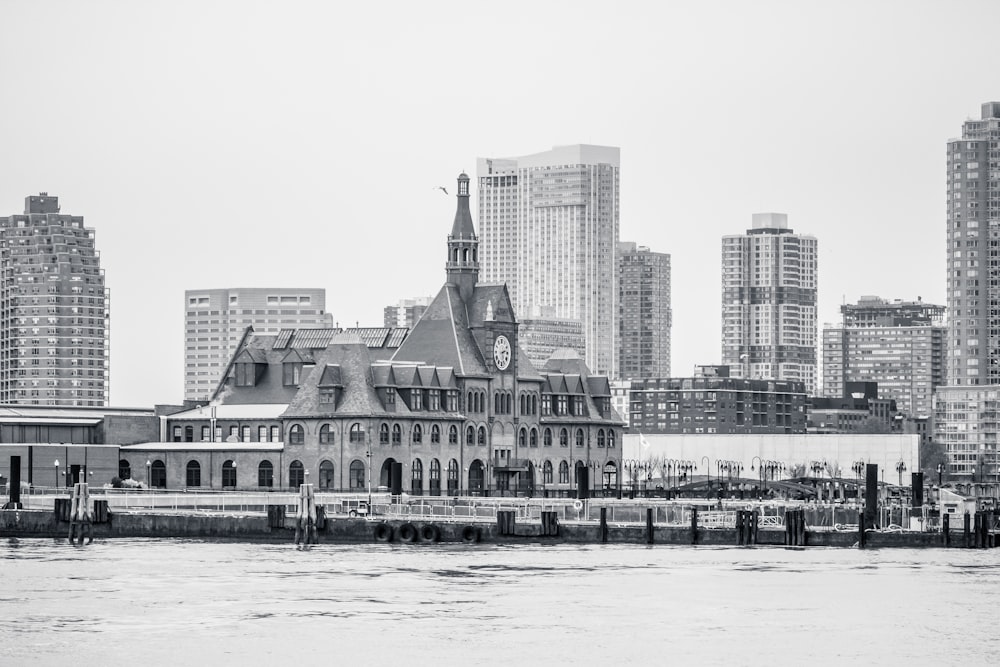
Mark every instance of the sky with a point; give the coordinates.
(235, 143)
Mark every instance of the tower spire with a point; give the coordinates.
(462, 267)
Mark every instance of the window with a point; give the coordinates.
(357, 433)
(533, 438)
(547, 438)
(546, 404)
(579, 437)
(470, 436)
(435, 434)
(522, 438)
(600, 437)
(296, 474)
(562, 403)
(563, 438)
(205, 434)
(292, 373)
(327, 396)
(452, 435)
(417, 477)
(158, 475)
(383, 434)
(265, 474)
(611, 439)
(357, 475)
(245, 431)
(229, 474)
(296, 435)
(417, 435)
(434, 399)
(193, 473)
(547, 472)
(482, 435)
(563, 472)
(124, 469)
(326, 480)
(453, 477)
(275, 434)
(177, 434)
(435, 480)
(246, 375)
(325, 435)
(397, 434)
(417, 399)
(261, 434)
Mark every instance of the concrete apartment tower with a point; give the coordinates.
(549, 230)
(973, 214)
(898, 344)
(769, 328)
(54, 309)
(215, 320)
(406, 313)
(644, 312)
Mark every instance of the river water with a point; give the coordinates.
(181, 602)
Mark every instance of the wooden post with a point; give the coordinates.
(861, 529)
(604, 525)
(739, 527)
(649, 525)
(694, 525)
(945, 529)
(81, 517)
(755, 521)
(305, 516)
(966, 542)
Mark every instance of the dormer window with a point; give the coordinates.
(562, 405)
(417, 399)
(390, 396)
(434, 399)
(546, 404)
(292, 373)
(246, 375)
(578, 406)
(327, 396)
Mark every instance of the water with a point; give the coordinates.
(179, 602)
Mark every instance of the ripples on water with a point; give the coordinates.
(179, 602)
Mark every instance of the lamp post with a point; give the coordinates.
(760, 474)
(728, 467)
(368, 458)
(940, 470)
(817, 467)
(56, 464)
(708, 472)
(148, 465)
(900, 469)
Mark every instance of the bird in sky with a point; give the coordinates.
(441, 188)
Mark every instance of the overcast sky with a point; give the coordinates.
(297, 144)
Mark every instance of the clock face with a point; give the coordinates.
(501, 352)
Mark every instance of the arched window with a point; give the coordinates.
(325, 435)
(435, 434)
(579, 437)
(435, 480)
(418, 434)
(563, 472)
(383, 434)
(522, 438)
(600, 437)
(265, 474)
(158, 475)
(357, 475)
(496, 403)
(470, 436)
(563, 438)
(416, 477)
(547, 437)
(469, 405)
(547, 472)
(326, 480)
(482, 435)
(229, 474)
(296, 474)
(452, 435)
(611, 439)
(452, 477)
(193, 471)
(534, 404)
(520, 403)
(533, 438)
(397, 434)
(296, 435)
(508, 403)
(124, 469)
(189, 434)
(357, 433)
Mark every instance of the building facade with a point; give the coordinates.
(973, 219)
(644, 312)
(406, 312)
(900, 345)
(717, 405)
(541, 337)
(215, 320)
(457, 409)
(549, 226)
(769, 283)
(967, 425)
(54, 309)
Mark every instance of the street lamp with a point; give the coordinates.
(900, 469)
(234, 476)
(817, 467)
(940, 470)
(708, 472)
(56, 464)
(148, 464)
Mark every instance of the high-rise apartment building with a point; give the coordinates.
(644, 312)
(769, 286)
(967, 425)
(53, 309)
(898, 344)
(215, 320)
(549, 225)
(973, 214)
(406, 313)
(540, 338)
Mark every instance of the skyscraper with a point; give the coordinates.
(769, 302)
(973, 221)
(215, 320)
(899, 345)
(549, 225)
(53, 309)
(644, 312)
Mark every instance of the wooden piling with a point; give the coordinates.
(81, 517)
(694, 525)
(966, 532)
(649, 525)
(740, 533)
(861, 529)
(604, 525)
(305, 516)
(946, 529)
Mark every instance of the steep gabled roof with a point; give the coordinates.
(565, 360)
(525, 369)
(493, 300)
(442, 337)
(331, 376)
(406, 375)
(599, 385)
(358, 396)
(383, 376)
(428, 376)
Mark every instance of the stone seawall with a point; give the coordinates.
(256, 527)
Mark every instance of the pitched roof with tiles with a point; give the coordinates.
(442, 337)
